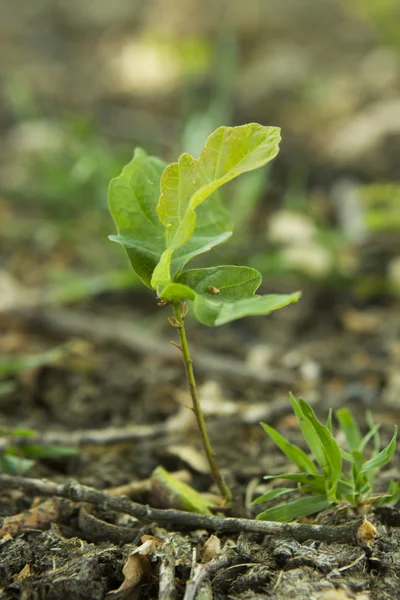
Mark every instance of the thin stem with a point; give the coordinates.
(219, 480)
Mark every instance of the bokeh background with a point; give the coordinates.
(84, 83)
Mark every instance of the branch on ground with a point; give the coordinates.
(343, 534)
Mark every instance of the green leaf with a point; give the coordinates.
(310, 436)
(361, 479)
(211, 313)
(176, 494)
(372, 433)
(330, 445)
(227, 153)
(45, 451)
(392, 495)
(177, 291)
(293, 452)
(345, 487)
(350, 428)
(271, 495)
(376, 436)
(293, 510)
(347, 456)
(329, 421)
(132, 198)
(330, 448)
(317, 482)
(213, 227)
(383, 457)
(223, 294)
(233, 282)
(19, 432)
(226, 293)
(14, 464)
(358, 459)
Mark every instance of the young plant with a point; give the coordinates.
(322, 477)
(168, 214)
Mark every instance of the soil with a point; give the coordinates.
(349, 357)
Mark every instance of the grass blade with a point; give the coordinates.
(43, 451)
(308, 478)
(293, 452)
(345, 487)
(346, 456)
(372, 434)
(329, 421)
(382, 457)
(271, 495)
(310, 436)
(393, 491)
(350, 428)
(315, 483)
(330, 449)
(293, 510)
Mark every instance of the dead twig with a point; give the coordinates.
(109, 435)
(344, 534)
(248, 413)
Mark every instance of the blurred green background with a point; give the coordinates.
(83, 83)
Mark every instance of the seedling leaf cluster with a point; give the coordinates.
(323, 478)
(168, 214)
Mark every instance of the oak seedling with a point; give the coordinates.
(168, 214)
